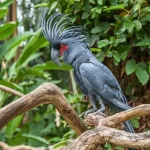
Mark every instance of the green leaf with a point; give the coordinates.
(41, 5)
(130, 66)
(100, 2)
(102, 27)
(123, 50)
(13, 42)
(108, 146)
(143, 43)
(97, 29)
(96, 50)
(137, 7)
(36, 138)
(135, 122)
(10, 54)
(53, 6)
(143, 65)
(93, 39)
(116, 55)
(7, 29)
(85, 15)
(116, 7)
(103, 43)
(12, 126)
(6, 3)
(34, 44)
(119, 28)
(62, 143)
(128, 25)
(141, 74)
(120, 148)
(147, 9)
(99, 10)
(11, 85)
(30, 58)
(52, 66)
(3, 12)
(92, 1)
(138, 25)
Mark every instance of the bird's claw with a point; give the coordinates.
(87, 112)
(99, 112)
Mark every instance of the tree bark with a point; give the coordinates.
(88, 140)
(47, 93)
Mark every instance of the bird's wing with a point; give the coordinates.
(111, 81)
(99, 81)
(82, 88)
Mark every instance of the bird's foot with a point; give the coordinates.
(99, 112)
(87, 112)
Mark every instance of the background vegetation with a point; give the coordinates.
(119, 35)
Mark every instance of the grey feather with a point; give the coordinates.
(94, 78)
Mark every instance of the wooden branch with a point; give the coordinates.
(115, 120)
(12, 91)
(47, 93)
(20, 147)
(92, 139)
(89, 140)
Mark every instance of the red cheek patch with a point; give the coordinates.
(63, 48)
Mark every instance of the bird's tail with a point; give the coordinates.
(127, 124)
(129, 127)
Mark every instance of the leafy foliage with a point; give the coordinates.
(119, 33)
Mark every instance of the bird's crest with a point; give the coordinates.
(58, 27)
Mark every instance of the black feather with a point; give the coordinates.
(58, 27)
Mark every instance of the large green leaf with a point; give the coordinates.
(12, 126)
(103, 43)
(137, 24)
(62, 143)
(36, 138)
(130, 66)
(144, 42)
(147, 9)
(85, 15)
(41, 5)
(52, 66)
(116, 7)
(142, 74)
(135, 122)
(34, 44)
(11, 85)
(7, 29)
(6, 3)
(100, 2)
(92, 1)
(53, 6)
(14, 42)
(3, 12)
(128, 25)
(116, 56)
(137, 6)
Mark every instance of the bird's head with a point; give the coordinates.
(63, 37)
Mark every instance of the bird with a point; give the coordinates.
(93, 78)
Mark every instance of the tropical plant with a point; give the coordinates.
(119, 35)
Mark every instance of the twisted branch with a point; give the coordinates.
(47, 93)
(103, 133)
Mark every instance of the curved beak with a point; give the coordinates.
(55, 56)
